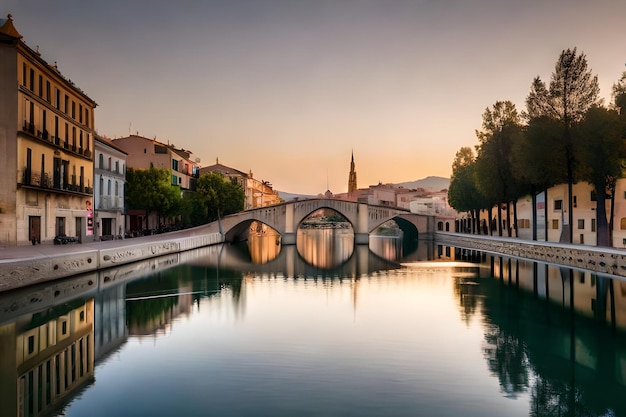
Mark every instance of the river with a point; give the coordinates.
(322, 328)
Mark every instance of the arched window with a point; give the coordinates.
(101, 161)
(108, 187)
(116, 189)
(440, 226)
(447, 226)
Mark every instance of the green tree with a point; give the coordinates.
(573, 90)
(538, 165)
(151, 190)
(501, 129)
(599, 146)
(463, 192)
(219, 195)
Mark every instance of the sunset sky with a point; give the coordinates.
(288, 89)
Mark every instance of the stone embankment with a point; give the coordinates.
(610, 261)
(30, 265)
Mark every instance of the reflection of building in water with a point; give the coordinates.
(325, 248)
(154, 314)
(263, 243)
(52, 353)
(110, 320)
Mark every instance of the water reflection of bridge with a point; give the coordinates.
(290, 264)
(286, 218)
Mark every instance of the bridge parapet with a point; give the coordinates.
(286, 218)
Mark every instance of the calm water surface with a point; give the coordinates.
(311, 331)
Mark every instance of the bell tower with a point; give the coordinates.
(352, 177)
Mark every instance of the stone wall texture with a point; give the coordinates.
(35, 270)
(608, 261)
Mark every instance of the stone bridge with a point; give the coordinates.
(286, 218)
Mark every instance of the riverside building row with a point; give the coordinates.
(60, 178)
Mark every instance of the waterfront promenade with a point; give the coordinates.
(608, 261)
(32, 264)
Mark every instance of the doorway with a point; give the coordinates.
(34, 229)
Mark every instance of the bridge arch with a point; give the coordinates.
(285, 218)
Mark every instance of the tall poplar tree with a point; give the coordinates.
(501, 129)
(463, 192)
(600, 144)
(572, 91)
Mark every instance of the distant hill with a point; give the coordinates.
(290, 196)
(429, 183)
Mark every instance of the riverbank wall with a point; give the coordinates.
(63, 261)
(609, 261)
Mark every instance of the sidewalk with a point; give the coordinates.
(48, 249)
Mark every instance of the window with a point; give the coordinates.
(87, 117)
(174, 165)
(60, 226)
(581, 224)
(31, 344)
(622, 223)
(574, 202)
(117, 167)
(24, 69)
(66, 103)
(57, 98)
(555, 224)
(558, 204)
(116, 189)
(32, 80)
(40, 86)
(48, 91)
(593, 225)
(80, 113)
(101, 161)
(101, 191)
(73, 110)
(594, 196)
(109, 163)
(108, 187)
(64, 327)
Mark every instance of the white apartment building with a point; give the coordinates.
(109, 186)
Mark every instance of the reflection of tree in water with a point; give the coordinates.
(551, 397)
(469, 302)
(148, 300)
(507, 359)
(531, 346)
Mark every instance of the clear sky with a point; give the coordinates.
(289, 88)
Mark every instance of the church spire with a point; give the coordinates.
(352, 177)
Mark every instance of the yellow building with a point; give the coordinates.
(46, 134)
(46, 357)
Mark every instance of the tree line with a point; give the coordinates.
(565, 135)
(152, 191)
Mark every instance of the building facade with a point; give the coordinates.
(109, 187)
(257, 193)
(142, 153)
(46, 132)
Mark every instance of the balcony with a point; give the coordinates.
(35, 179)
(28, 127)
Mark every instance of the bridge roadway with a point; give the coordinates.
(285, 218)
